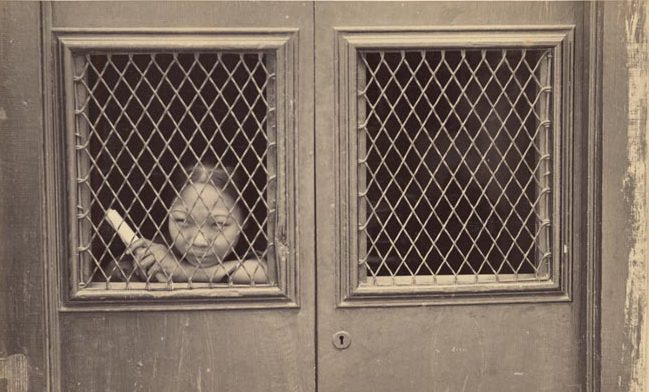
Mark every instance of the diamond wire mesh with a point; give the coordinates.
(143, 121)
(454, 165)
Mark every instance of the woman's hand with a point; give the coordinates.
(156, 261)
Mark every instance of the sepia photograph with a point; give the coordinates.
(324, 196)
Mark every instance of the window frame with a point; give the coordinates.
(348, 42)
(283, 43)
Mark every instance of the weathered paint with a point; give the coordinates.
(171, 349)
(636, 344)
(21, 238)
(429, 348)
(22, 323)
(15, 370)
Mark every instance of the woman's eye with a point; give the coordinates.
(218, 225)
(181, 221)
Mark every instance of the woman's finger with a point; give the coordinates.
(147, 261)
(141, 264)
(160, 277)
(141, 273)
(157, 274)
(141, 243)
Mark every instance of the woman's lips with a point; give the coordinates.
(198, 251)
(203, 259)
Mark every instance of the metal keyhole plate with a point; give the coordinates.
(342, 340)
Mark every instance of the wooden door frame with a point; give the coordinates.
(56, 177)
(593, 76)
(588, 205)
(630, 339)
(624, 307)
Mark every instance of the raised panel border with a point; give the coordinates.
(61, 166)
(564, 236)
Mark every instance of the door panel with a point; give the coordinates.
(161, 343)
(22, 306)
(445, 346)
(412, 336)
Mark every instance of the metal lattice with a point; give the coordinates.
(454, 165)
(143, 120)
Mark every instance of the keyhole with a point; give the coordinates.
(341, 340)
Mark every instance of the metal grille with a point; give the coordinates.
(454, 165)
(145, 119)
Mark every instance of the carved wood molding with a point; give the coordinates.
(565, 248)
(64, 269)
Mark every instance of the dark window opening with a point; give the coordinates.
(454, 162)
(144, 119)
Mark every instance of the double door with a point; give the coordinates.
(422, 208)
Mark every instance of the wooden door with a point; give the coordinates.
(449, 250)
(430, 159)
(132, 92)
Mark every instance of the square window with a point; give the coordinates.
(177, 151)
(158, 134)
(455, 157)
(455, 148)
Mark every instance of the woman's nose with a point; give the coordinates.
(200, 239)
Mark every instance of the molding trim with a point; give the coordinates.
(565, 244)
(593, 33)
(53, 217)
(62, 45)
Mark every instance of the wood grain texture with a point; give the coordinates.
(497, 347)
(593, 196)
(186, 351)
(22, 310)
(14, 370)
(636, 305)
(619, 233)
(625, 246)
(516, 347)
(165, 347)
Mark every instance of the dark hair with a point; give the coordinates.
(222, 177)
(226, 178)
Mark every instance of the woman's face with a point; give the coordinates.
(204, 224)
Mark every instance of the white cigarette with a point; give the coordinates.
(122, 228)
